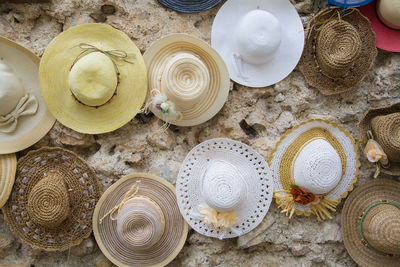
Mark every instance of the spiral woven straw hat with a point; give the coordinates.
(318, 157)
(189, 6)
(53, 199)
(223, 188)
(93, 78)
(371, 223)
(339, 51)
(261, 41)
(24, 118)
(137, 222)
(8, 165)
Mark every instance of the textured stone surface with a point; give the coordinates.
(254, 116)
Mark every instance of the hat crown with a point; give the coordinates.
(140, 223)
(257, 36)
(48, 201)
(223, 186)
(381, 228)
(93, 79)
(11, 89)
(389, 13)
(317, 168)
(338, 46)
(386, 129)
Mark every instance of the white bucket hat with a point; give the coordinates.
(261, 41)
(223, 188)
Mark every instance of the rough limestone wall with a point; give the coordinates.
(254, 116)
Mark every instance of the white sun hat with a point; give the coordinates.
(261, 41)
(223, 188)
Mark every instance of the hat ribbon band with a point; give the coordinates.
(27, 105)
(239, 66)
(362, 217)
(128, 196)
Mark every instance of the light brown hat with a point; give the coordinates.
(53, 199)
(8, 165)
(371, 223)
(339, 50)
(384, 124)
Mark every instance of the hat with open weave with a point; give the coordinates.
(189, 6)
(8, 165)
(383, 126)
(93, 78)
(371, 224)
(223, 188)
(339, 51)
(313, 166)
(137, 222)
(53, 199)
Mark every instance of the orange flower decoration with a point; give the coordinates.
(301, 196)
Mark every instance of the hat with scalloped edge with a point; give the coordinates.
(93, 78)
(24, 118)
(223, 188)
(137, 222)
(52, 200)
(370, 223)
(8, 165)
(189, 6)
(314, 165)
(348, 3)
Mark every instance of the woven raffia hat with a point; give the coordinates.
(313, 166)
(371, 224)
(261, 41)
(93, 78)
(339, 51)
(188, 80)
(53, 199)
(8, 165)
(223, 188)
(137, 222)
(383, 125)
(189, 6)
(24, 118)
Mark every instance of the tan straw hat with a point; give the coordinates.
(137, 222)
(383, 126)
(371, 224)
(339, 51)
(188, 80)
(8, 165)
(93, 78)
(53, 199)
(24, 118)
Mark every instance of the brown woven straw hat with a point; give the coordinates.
(339, 50)
(53, 199)
(371, 223)
(137, 222)
(384, 124)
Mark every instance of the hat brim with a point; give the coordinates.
(175, 231)
(189, 7)
(285, 58)
(55, 65)
(160, 51)
(364, 126)
(348, 3)
(363, 63)
(30, 129)
(363, 196)
(8, 166)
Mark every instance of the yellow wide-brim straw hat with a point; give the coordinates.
(60, 56)
(8, 166)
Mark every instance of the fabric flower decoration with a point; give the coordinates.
(302, 197)
(374, 152)
(218, 219)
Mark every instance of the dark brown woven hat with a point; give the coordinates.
(384, 122)
(339, 50)
(53, 199)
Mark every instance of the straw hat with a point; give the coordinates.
(313, 166)
(371, 223)
(339, 51)
(384, 124)
(8, 165)
(189, 6)
(384, 16)
(260, 41)
(53, 199)
(349, 3)
(223, 188)
(188, 80)
(137, 222)
(24, 118)
(93, 78)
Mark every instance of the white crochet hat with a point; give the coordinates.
(223, 188)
